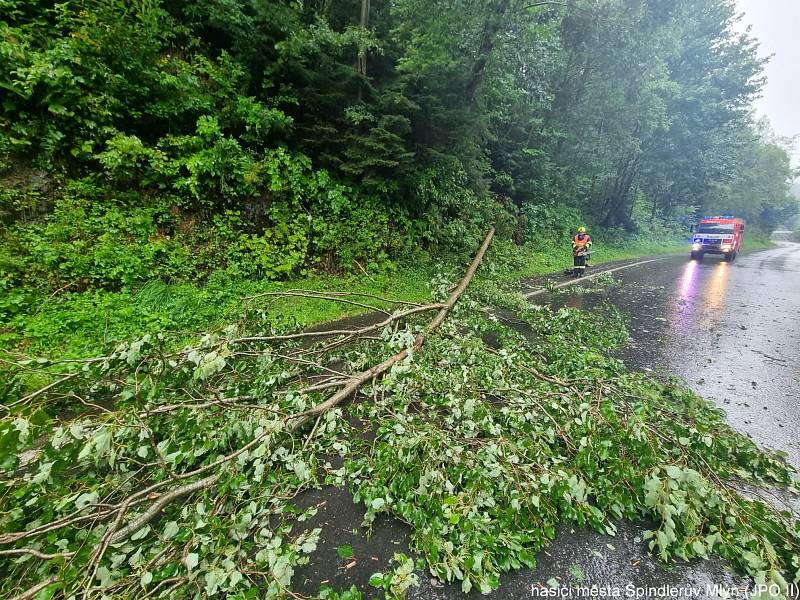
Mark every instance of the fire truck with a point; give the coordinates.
(717, 235)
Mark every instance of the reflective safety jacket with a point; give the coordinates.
(581, 242)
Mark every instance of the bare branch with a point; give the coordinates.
(332, 298)
(553, 3)
(156, 507)
(31, 592)
(36, 553)
(41, 391)
(328, 295)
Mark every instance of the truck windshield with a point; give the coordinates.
(715, 228)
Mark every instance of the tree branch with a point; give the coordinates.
(31, 592)
(335, 332)
(294, 422)
(36, 553)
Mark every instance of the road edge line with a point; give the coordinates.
(592, 276)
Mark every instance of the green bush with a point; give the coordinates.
(545, 224)
(284, 217)
(453, 217)
(16, 202)
(229, 244)
(350, 229)
(94, 239)
(14, 297)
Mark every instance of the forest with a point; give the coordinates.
(171, 140)
(185, 186)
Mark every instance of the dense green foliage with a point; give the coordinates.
(482, 450)
(146, 140)
(161, 160)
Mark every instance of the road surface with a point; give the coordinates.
(730, 330)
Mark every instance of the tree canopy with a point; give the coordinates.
(276, 126)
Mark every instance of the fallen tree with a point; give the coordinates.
(179, 476)
(116, 533)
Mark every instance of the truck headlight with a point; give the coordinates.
(695, 246)
(725, 247)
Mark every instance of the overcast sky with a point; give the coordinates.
(776, 24)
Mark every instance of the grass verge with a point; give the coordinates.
(74, 324)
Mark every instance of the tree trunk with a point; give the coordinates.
(633, 204)
(362, 51)
(490, 30)
(626, 174)
(361, 63)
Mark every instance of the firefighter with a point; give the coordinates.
(581, 244)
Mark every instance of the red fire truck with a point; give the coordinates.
(717, 235)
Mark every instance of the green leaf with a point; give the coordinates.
(105, 577)
(345, 551)
(140, 533)
(170, 530)
(699, 548)
(44, 473)
(214, 578)
(577, 573)
(85, 500)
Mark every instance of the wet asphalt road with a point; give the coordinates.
(730, 330)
